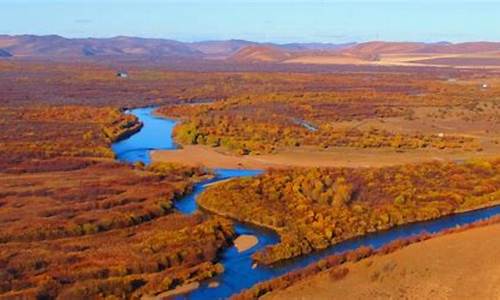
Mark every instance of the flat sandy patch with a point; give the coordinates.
(195, 155)
(476, 60)
(245, 242)
(462, 265)
(177, 291)
(306, 157)
(328, 60)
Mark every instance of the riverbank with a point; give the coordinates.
(245, 242)
(353, 237)
(425, 270)
(251, 206)
(240, 270)
(183, 289)
(310, 157)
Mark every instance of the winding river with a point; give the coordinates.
(239, 274)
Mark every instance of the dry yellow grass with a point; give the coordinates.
(457, 266)
(195, 155)
(404, 59)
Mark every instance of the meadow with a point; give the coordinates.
(78, 224)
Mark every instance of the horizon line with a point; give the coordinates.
(243, 40)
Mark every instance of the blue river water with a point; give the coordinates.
(156, 134)
(240, 272)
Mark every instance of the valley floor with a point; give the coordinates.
(307, 157)
(456, 266)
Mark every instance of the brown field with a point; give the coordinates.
(71, 197)
(462, 265)
(42, 132)
(464, 61)
(199, 155)
(328, 60)
(77, 224)
(441, 60)
(77, 228)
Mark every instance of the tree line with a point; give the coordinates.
(313, 208)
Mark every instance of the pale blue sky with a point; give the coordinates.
(258, 20)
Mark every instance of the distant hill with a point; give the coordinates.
(378, 48)
(56, 46)
(261, 54)
(220, 49)
(316, 46)
(461, 48)
(280, 53)
(371, 50)
(241, 51)
(4, 53)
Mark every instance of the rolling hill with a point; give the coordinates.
(378, 48)
(247, 52)
(56, 46)
(261, 54)
(5, 53)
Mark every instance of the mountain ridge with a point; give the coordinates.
(233, 50)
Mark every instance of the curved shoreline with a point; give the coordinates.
(245, 242)
(237, 219)
(350, 237)
(241, 273)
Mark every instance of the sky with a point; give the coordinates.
(278, 21)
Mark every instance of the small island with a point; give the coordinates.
(245, 242)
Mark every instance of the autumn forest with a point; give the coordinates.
(76, 223)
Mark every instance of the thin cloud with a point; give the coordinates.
(83, 21)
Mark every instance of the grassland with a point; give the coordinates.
(77, 224)
(373, 120)
(449, 260)
(439, 268)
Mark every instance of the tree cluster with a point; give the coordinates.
(263, 123)
(314, 208)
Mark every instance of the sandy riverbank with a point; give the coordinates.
(175, 292)
(456, 266)
(309, 157)
(245, 242)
